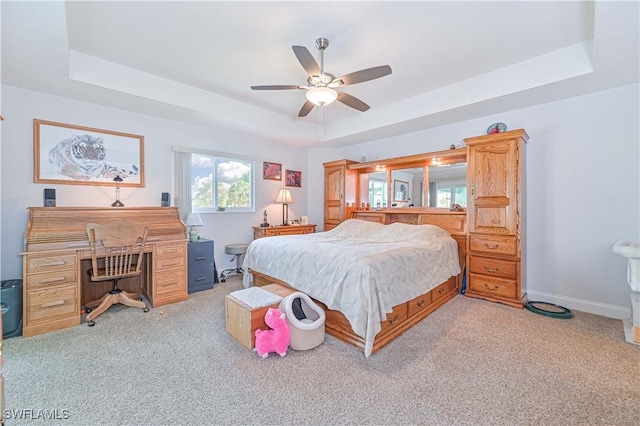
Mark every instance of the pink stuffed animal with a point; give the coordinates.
(275, 340)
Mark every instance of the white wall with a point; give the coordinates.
(583, 191)
(18, 191)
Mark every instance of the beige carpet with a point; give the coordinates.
(471, 362)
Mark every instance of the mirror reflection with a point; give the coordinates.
(447, 185)
(407, 187)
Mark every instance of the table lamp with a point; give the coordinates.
(284, 197)
(117, 202)
(193, 220)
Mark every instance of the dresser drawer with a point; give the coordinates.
(444, 288)
(48, 263)
(170, 282)
(493, 286)
(419, 303)
(169, 263)
(53, 278)
(174, 250)
(396, 317)
(289, 230)
(50, 303)
(494, 267)
(493, 244)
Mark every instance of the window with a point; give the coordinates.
(221, 183)
(206, 182)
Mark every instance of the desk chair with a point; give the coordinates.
(119, 256)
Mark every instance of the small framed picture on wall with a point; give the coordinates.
(271, 171)
(293, 178)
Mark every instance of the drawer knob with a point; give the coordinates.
(496, 269)
(442, 290)
(495, 286)
(421, 303)
(491, 247)
(393, 320)
(201, 257)
(201, 278)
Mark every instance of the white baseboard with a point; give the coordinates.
(611, 311)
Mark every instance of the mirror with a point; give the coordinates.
(447, 185)
(407, 187)
(433, 179)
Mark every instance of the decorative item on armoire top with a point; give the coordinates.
(265, 223)
(117, 202)
(271, 171)
(496, 128)
(193, 220)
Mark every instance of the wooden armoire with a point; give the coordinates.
(340, 189)
(495, 216)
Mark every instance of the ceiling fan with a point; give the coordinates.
(322, 87)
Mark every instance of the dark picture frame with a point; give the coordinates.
(271, 171)
(293, 178)
(77, 155)
(400, 190)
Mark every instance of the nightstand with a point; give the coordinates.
(201, 266)
(272, 231)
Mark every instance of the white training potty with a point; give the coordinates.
(305, 319)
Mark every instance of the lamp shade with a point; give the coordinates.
(321, 95)
(284, 196)
(193, 219)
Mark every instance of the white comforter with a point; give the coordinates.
(359, 268)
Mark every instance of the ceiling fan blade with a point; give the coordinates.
(306, 109)
(364, 75)
(306, 60)
(275, 87)
(352, 101)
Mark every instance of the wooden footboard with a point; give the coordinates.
(403, 317)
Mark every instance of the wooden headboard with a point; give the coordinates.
(453, 222)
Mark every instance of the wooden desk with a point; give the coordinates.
(272, 231)
(57, 257)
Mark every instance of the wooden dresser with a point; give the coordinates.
(57, 257)
(273, 231)
(495, 214)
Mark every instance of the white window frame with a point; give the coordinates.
(183, 178)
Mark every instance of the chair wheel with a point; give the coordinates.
(91, 323)
(87, 310)
(145, 310)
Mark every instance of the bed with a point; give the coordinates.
(374, 280)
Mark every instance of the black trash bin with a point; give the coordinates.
(11, 303)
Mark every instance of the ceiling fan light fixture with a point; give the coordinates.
(321, 95)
